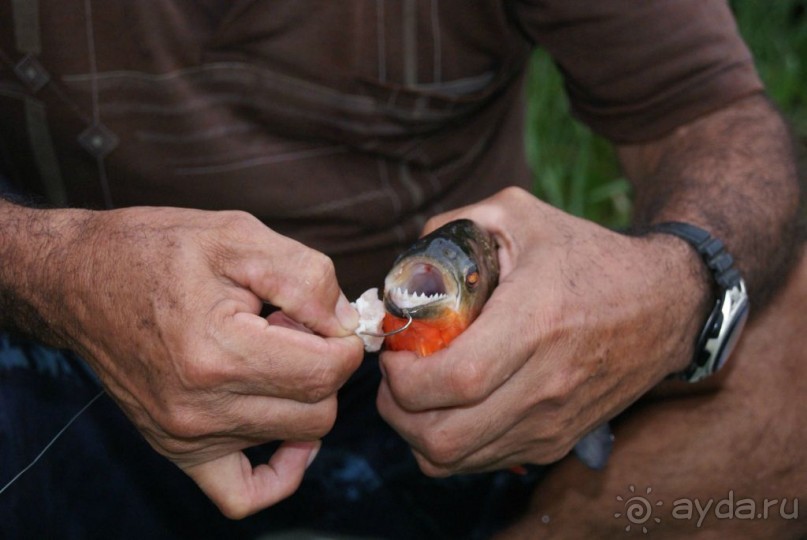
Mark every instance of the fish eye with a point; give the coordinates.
(472, 279)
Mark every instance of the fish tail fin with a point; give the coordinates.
(595, 448)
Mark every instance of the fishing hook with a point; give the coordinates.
(393, 332)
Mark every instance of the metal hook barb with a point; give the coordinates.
(392, 333)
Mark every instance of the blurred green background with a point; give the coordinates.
(577, 170)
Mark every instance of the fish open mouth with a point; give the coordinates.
(424, 284)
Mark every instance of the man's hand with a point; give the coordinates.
(583, 322)
(586, 320)
(164, 304)
(744, 437)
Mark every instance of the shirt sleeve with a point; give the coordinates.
(637, 69)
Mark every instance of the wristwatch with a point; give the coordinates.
(727, 319)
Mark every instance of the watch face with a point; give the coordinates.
(732, 334)
(721, 332)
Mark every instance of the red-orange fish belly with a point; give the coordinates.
(424, 336)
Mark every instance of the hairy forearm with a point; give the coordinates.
(34, 248)
(733, 173)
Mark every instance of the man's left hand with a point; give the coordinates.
(583, 322)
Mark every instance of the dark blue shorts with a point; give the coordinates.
(102, 480)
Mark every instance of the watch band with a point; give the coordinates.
(712, 250)
(725, 323)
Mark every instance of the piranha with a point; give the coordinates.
(441, 282)
(436, 289)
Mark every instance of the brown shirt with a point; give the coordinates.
(344, 124)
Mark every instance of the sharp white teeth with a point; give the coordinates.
(404, 299)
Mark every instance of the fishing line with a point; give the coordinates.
(53, 440)
(101, 393)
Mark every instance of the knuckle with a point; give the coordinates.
(384, 403)
(229, 228)
(555, 432)
(169, 446)
(405, 393)
(318, 269)
(181, 425)
(552, 454)
(443, 449)
(239, 222)
(514, 192)
(320, 423)
(201, 371)
(234, 505)
(430, 469)
(512, 201)
(407, 400)
(199, 375)
(321, 384)
(327, 416)
(469, 381)
(558, 392)
(554, 400)
(315, 286)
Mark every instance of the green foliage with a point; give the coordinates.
(573, 168)
(577, 170)
(776, 33)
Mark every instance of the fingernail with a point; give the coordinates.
(346, 314)
(313, 455)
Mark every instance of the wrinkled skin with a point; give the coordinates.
(741, 431)
(164, 304)
(548, 358)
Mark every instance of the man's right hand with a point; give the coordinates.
(164, 304)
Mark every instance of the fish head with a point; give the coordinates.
(444, 278)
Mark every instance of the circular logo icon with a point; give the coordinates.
(638, 509)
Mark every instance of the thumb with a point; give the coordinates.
(239, 490)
